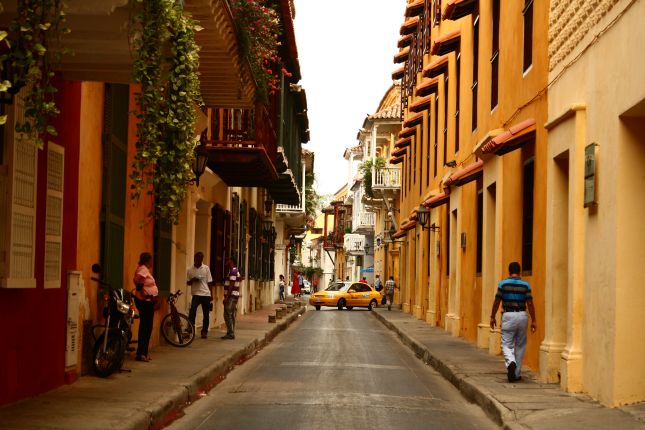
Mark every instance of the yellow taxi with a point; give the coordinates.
(346, 295)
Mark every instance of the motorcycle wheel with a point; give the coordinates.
(179, 332)
(106, 362)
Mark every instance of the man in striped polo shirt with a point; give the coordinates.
(515, 296)
(231, 296)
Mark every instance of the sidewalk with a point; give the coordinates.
(154, 392)
(481, 379)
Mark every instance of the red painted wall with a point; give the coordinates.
(32, 351)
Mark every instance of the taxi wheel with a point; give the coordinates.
(317, 307)
(341, 304)
(372, 305)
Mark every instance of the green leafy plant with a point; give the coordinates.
(366, 169)
(258, 30)
(166, 67)
(312, 199)
(37, 26)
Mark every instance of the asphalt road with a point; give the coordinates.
(334, 370)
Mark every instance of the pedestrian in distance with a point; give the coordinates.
(364, 280)
(389, 292)
(515, 296)
(199, 277)
(378, 286)
(295, 285)
(282, 286)
(231, 296)
(146, 296)
(301, 282)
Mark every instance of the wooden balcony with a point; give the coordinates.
(386, 179)
(363, 221)
(334, 240)
(243, 149)
(102, 46)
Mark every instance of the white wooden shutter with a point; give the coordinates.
(54, 215)
(22, 175)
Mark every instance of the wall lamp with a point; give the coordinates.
(422, 218)
(199, 163)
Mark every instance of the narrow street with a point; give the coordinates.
(334, 369)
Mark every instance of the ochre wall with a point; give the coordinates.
(606, 320)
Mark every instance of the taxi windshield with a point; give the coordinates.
(339, 286)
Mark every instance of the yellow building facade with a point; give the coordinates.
(473, 87)
(519, 147)
(596, 127)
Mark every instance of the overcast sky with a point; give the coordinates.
(345, 49)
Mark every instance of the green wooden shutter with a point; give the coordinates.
(243, 229)
(163, 255)
(115, 150)
(218, 235)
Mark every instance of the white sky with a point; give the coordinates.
(346, 50)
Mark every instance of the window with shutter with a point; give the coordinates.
(54, 215)
(241, 264)
(18, 187)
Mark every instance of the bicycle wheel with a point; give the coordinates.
(106, 361)
(179, 332)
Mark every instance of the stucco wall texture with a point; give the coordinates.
(603, 78)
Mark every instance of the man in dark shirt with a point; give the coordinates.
(231, 296)
(515, 296)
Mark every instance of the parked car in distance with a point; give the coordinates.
(347, 295)
(306, 287)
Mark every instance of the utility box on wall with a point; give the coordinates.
(74, 289)
(590, 175)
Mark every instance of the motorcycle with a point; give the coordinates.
(115, 334)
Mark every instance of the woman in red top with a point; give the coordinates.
(144, 297)
(295, 286)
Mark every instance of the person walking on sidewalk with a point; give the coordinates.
(378, 286)
(282, 286)
(231, 296)
(200, 279)
(389, 292)
(145, 295)
(515, 296)
(295, 285)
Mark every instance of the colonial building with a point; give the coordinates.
(68, 205)
(594, 235)
(519, 147)
(472, 153)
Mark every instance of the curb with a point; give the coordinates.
(501, 415)
(164, 411)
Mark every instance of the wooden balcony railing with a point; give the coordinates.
(243, 146)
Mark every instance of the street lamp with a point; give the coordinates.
(199, 163)
(367, 248)
(422, 218)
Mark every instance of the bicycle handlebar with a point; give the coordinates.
(100, 281)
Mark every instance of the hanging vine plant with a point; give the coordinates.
(366, 169)
(37, 26)
(166, 67)
(258, 30)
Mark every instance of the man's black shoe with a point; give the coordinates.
(511, 371)
(228, 336)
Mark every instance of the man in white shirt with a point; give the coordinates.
(199, 278)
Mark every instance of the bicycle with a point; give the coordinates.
(176, 328)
